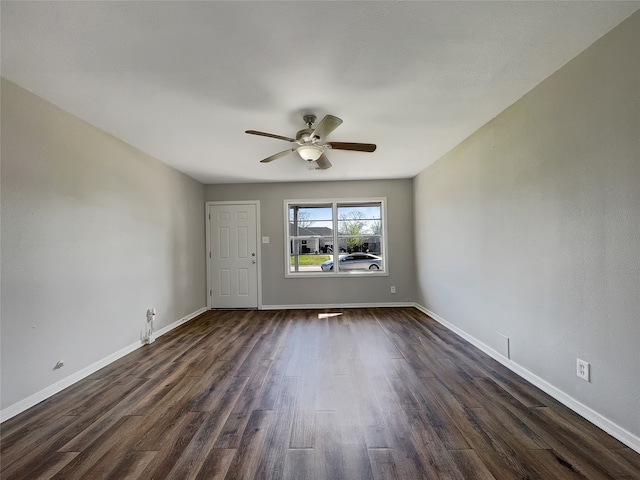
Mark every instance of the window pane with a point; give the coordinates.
(362, 219)
(359, 227)
(307, 216)
(367, 211)
(309, 256)
(311, 263)
(317, 229)
(359, 262)
(310, 245)
(368, 244)
(371, 208)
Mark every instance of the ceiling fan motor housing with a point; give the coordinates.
(309, 119)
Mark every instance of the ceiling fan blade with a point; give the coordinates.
(277, 155)
(323, 162)
(358, 147)
(327, 125)
(271, 135)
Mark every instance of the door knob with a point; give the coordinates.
(253, 261)
(253, 254)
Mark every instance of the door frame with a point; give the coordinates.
(208, 246)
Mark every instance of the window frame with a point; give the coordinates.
(335, 203)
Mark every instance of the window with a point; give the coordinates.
(338, 237)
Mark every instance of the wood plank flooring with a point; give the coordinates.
(367, 394)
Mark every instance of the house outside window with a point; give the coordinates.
(335, 237)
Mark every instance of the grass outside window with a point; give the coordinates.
(309, 259)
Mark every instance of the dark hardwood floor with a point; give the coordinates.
(368, 394)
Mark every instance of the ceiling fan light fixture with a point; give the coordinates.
(310, 153)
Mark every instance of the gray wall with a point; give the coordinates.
(278, 290)
(93, 234)
(531, 228)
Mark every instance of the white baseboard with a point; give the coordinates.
(60, 385)
(179, 322)
(316, 306)
(613, 429)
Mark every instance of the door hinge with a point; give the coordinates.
(209, 292)
(209, 254)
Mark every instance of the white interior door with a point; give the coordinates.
(233, 256)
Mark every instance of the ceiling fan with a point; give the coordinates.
(310, 142)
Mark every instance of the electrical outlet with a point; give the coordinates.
(583, 370)
(393, 289)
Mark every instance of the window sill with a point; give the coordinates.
(336, 275)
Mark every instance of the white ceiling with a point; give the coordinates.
(182, 81)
